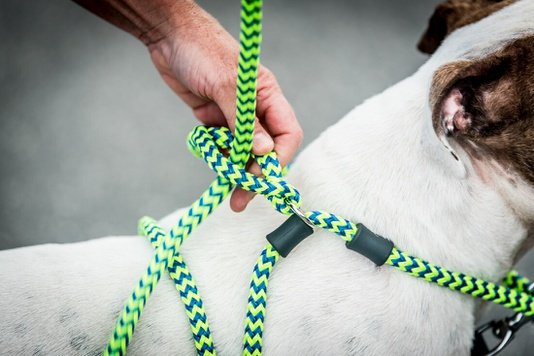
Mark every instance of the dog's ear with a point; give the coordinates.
(489, 91)
(453, 14)
(487, 106)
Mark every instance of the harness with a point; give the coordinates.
(206, 143)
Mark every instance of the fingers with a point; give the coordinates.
(262, 142)
(277, 128)
(210, 114)
(225, 97)
(286, 145)
(287, 136)
(214, 104)
(279, 119)
(240, 199)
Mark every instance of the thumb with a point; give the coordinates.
(263, 143)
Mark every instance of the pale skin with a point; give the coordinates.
(197, 58)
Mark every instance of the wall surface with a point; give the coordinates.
(91, 139)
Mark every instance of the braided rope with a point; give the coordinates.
(515, 299)
(247, 73)
(514, 280)
(135, 304)
(168, 244)
(185, 284)
(257, 301)
(273, 187)
(336, 224)
(165, 253)
(206, 143)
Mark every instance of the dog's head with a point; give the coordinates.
(453, 14)
(483, 105)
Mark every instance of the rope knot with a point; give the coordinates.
(207, 143)
(284, 197)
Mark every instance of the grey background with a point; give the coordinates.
(91, 139)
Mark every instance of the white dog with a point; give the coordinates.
(441, 163)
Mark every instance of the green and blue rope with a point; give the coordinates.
(206, 143)
(257, 301)
(247, 74)
(515, 299)
(185, 284)
(514, 280)
(167, 249)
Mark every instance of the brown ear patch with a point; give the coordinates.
(487, 106)
(453, 14)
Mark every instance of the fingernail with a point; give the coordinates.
(250, 197)
(262, 143)
(247, 199)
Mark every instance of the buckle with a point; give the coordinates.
(504, 330)
(298, 212)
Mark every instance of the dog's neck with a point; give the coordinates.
(384, 166)
(381, 166)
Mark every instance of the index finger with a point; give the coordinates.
(278, 118)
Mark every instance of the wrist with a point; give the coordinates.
(195, 39)
(149, 21)
(165, 19)
(183, 26)
(187, 22)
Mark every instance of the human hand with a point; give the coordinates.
(197, 58)
(198, 61)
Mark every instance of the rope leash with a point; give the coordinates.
(167, 250)
(206, 143)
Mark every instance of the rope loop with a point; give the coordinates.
(282, 201)
(208, 144)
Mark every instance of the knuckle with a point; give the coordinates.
(267, 82)
(225, 82)
(299, 135)
(265, 73)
